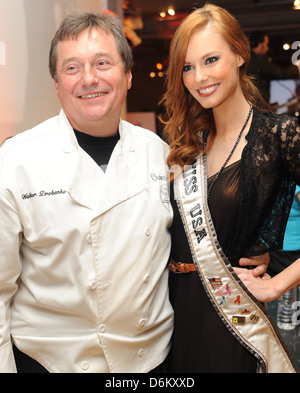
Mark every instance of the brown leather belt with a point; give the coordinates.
(179, 267)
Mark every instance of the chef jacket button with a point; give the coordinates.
(142, 322)
(141, 352)
(131, 148)
(93, 285)
(102, 328)
(84, 366)
(147, 231)
(89, 239)
(146, 278)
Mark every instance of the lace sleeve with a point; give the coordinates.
(290, 147)
(269, 170)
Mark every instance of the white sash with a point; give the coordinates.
(242, 314)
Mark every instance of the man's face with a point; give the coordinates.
(91, 82)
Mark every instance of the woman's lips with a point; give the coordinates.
(208, 90)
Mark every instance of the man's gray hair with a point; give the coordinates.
(76, 23)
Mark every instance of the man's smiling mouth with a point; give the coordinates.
(92, 95)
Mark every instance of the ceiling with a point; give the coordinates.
(274, 16)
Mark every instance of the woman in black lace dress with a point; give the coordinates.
(250, 161)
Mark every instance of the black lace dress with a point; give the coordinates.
(249, 206)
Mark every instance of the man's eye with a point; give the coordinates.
(71, 69)
(103, 64)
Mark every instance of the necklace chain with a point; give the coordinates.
(230, 154)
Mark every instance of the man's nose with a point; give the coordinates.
(89, 76)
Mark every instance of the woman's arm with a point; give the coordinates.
(266, 289)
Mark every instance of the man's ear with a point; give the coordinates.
(56, 85)
(129, 80)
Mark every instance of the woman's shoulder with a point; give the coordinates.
(274, 119)
(270, 124)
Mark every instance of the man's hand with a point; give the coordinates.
(261, 263)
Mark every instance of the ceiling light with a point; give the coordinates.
(163, 14)
(171, 12)
(132, 23)
(297, 5)
(286, 46)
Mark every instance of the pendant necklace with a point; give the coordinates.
(230, 154)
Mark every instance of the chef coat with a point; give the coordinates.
(83, 252)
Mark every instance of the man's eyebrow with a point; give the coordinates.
(98, 54)
(68, 60)
(76, 59)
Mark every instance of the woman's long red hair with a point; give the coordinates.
(184, 117)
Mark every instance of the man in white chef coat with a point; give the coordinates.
(84, 218)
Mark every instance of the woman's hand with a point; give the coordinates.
(260, 286)
(265, 288)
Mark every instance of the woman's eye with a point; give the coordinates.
(187, 68)
(211, 60)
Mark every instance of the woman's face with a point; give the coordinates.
(211, 69)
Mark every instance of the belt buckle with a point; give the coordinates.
(173, 267)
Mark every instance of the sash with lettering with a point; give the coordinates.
(242, 314)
